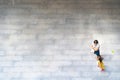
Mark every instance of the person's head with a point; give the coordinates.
(96, 42)
(99, 58)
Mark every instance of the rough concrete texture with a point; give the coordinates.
(50, 39)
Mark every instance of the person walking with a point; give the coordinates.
(96, 47)
(100, 63)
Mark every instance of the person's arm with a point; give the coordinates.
(94, 48)
(98, 64)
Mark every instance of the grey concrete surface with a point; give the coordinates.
(50, 39)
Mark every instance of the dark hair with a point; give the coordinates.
(100, 58)
(96, 41)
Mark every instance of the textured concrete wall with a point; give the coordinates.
(49, 39)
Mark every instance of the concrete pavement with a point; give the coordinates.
(49, 39)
